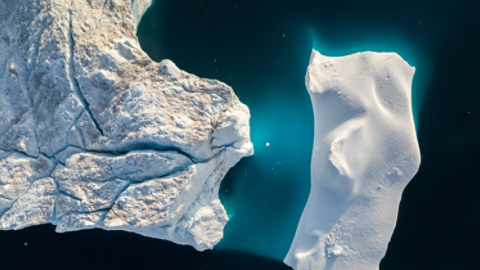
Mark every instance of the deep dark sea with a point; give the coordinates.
(262, 48)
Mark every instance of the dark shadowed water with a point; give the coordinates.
(262, 50)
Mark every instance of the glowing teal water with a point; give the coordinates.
(270, 189)
(262, 49)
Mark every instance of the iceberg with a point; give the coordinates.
(365, 153)
(94, 134)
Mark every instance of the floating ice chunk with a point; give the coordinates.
(365, 153)
(88, 122)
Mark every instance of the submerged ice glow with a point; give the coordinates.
(262, 50)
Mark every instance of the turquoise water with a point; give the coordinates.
(262, 50)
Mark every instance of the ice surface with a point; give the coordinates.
(94, 134)
(365, 153)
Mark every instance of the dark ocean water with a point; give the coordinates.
(262, 50)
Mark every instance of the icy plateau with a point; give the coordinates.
(94, 134)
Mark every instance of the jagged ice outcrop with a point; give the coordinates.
(94, 134)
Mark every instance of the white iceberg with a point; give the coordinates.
(365, 153)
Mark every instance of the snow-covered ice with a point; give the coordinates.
(365, 153)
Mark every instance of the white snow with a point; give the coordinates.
(365, 153)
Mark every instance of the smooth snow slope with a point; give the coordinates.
(365, 152)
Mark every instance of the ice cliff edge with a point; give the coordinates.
(365, 152)
(94, 134)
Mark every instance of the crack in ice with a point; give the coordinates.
(72, 73)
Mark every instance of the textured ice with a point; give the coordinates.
(365, 152)
(94, 134)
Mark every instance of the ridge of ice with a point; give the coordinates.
(94, 134)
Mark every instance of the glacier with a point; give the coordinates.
(94, 134)
(365, 152)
